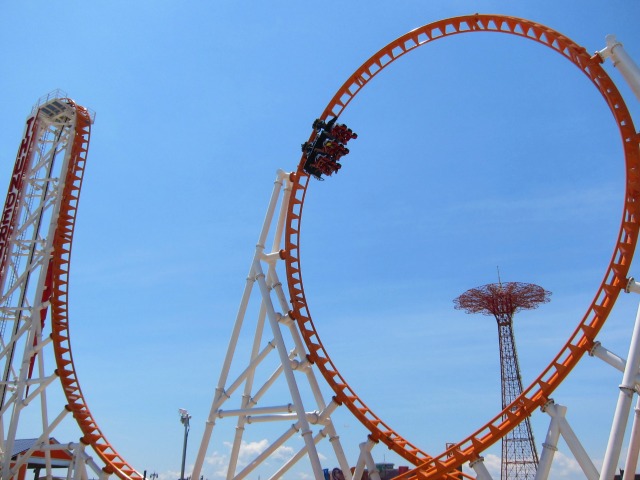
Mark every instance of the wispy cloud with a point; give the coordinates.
(543, 205)
(218, 462)
(563, 467)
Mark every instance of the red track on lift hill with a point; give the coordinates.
(582, 339)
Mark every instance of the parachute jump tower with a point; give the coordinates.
(519, 454)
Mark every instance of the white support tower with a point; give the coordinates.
(27, 230)
(302, 411)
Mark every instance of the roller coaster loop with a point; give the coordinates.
(580, 341)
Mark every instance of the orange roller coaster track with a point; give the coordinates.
(92, 435)
(581, 340)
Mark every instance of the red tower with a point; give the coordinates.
(503, 300)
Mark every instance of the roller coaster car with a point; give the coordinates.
(327, 148)
(320, 124)
(342, 133)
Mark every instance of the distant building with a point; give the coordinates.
(385, 470)
(619, 476)
(60, 458)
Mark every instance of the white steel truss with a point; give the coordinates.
(26, 244)
(313, 425)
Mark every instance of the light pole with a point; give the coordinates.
(184, 419)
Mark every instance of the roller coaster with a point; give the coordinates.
(36, 236)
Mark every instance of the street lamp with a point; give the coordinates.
(184, 419)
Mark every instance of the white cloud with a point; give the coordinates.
(564, 467)
(169, 475)
(283, 453)
(249, 450)
(218, 463)
(493, 464)
(558, 205)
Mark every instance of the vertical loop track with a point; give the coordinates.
(581, 340)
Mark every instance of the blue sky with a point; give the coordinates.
(473, 152)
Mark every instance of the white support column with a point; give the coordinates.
(634, 446)
(334, 440)
(220, 394)
(479, 467)
(359, 470)
(274, 321)
(97, 471)
(293, 377)
(246, 397)
(621, 416)
(557, 413)
(78, 461)
(623, 62)
(366, 459)
(550, 445)
(242, 309)
(607, 356)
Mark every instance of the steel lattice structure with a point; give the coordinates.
(36, 236)
(519, 452)
(35, 246)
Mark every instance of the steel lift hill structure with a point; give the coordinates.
(36, 235)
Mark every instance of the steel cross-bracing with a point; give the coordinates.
(274, 333)
(519, 453)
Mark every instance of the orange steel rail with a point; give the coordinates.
(581, 340)
(59, 309)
